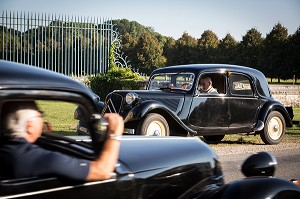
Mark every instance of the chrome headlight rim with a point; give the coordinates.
(130, 98)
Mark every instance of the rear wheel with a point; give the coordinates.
(213, 138)
(274, 129)
(153, 124)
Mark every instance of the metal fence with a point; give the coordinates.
(75, 46)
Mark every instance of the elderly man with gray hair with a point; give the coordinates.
(206, 86)
(22, 124)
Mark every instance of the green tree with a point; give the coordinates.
(149, 53)
(275, 52)
(208, 47)
(133, 35)
(293, 58)
(132, 27)
(227, 50)
(250, 49)
(184, 52)
(169, 51)
(129, 43)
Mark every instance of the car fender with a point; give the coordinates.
(100, 106)
(275, 106)
(145, 107)
(264, 188)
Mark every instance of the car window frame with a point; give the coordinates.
(171, 74)
(225, 84)
(250, 81)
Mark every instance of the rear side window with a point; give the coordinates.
(240, 85)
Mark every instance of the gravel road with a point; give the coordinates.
(287, 155)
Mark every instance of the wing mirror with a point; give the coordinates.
(259, 164)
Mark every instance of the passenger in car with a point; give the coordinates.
(185, 86)
(206, 86)
(22, 124)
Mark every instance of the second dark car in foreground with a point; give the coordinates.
(172, 104)
(148, 166)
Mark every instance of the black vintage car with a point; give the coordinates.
(173, 105)
(148, 166)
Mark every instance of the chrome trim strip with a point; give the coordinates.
(159, 138)
(57, 189)
(112, 105)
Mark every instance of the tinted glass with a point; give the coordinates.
(240, 85)
(172, 80)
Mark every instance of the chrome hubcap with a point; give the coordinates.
(156, 128)
(275, 127)
(156, 133)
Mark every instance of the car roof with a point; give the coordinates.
(21, 76)
(197, 68)
(202, 67)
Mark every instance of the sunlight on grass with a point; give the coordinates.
(60, 115)
(287, 81)
(296, 113)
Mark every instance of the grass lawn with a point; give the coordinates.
(288, 81)
(60, 115)
(296, 113)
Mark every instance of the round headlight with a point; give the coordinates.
(130, 98)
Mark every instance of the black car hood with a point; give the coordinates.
(19, 76)
(166, 92)
(150, 153)
(173, 99)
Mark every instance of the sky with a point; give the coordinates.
(174, 17)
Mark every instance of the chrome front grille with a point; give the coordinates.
(113, 103)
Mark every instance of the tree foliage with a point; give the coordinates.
(277, 55)
(275, 52)
(149, 53)
(293, 58)
(207, 45)
(185, 49)
(227, 50)
(250, 49)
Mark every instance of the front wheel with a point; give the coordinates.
(274, 129)
(153, 124)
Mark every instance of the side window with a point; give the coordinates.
(240, 85)
(218, 82)
(184, 81)
(59, 116)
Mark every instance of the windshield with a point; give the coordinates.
(182, 81)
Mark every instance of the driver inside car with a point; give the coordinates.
(22, 124)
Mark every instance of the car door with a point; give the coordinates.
(209, 112)
(243, 104)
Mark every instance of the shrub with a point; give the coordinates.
(116, 78)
